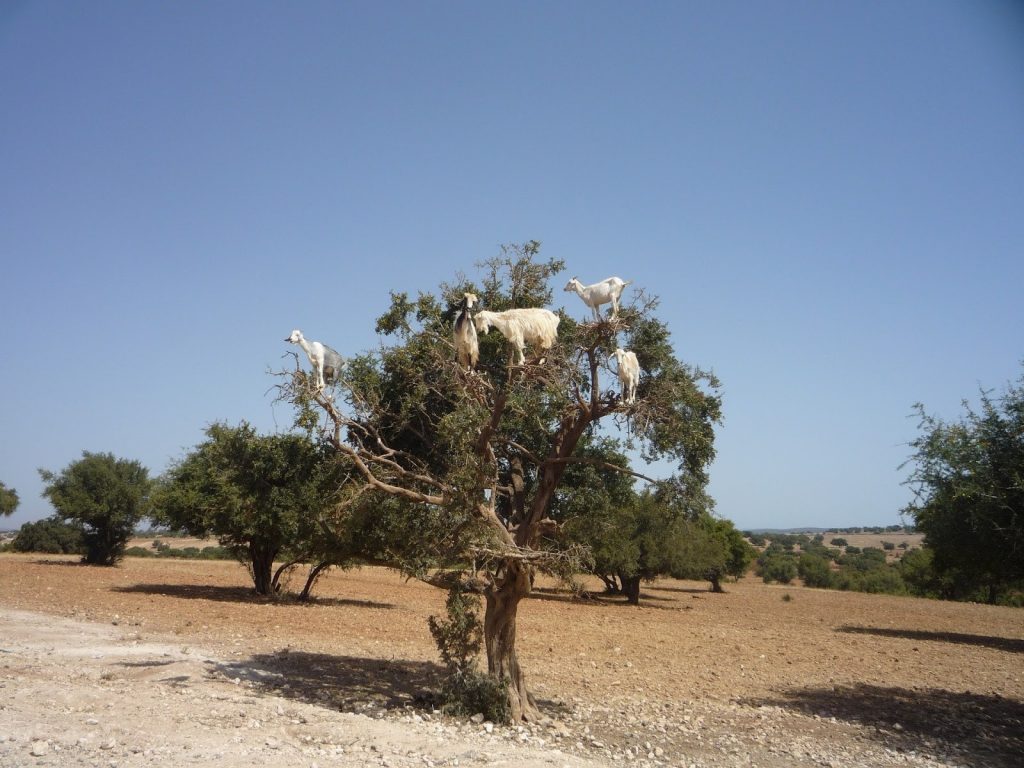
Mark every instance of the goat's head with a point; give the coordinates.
(469, 299)
(618, 354)
(571, 285)
(482, 321)
(295, 337)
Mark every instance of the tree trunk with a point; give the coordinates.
(630, 588)
(314, 574)
(262, 563)
(512, 585)
(716, 583)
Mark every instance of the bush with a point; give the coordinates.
(778, 568)
(838, 542)
(465, 690)
(885, 581)
(139, 552)
(814, 570)
(888, 546)
(51, 536)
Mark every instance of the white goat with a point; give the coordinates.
(467, 348)
(629, 373)
(521, 326)
(608, 290)
(325, 361)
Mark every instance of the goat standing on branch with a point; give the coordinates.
(467, 348)
(532, 326)
(325, 361)
(629, 373)
(608, 290)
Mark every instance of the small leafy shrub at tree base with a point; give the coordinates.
(466, 691)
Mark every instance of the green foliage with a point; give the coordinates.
(106, 496)
(917, 568)
(51, 536)
(263, 496)
(968, 480)
(186, 553)
(466, 691)
(815, 570)
(777, 565)
(8, 500)
(838, 542)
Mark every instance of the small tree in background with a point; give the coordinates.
(263, 496)
(8, 500)
(106, 496)
(51, 535)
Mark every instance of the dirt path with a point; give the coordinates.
(177, 661)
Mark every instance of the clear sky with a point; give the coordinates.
(828, 197)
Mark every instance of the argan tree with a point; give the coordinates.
(262, 496)
(968, 480)
(106, 496)
(471, 462)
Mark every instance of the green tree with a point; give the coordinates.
(475, 462)
(968, 480)
(51, 535)
(919, 574)
(8, 500)
(737, 553)
(106, 496)
(815, 570)
(264, 497)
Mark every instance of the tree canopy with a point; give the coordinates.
(107, 496)
(968, 480)
(8, 500)
(473, 464)
(262, 496)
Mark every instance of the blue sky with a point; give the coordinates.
(827, 197)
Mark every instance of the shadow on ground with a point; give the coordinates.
(978, 729)
(1010, 644)
(239, 595)
(346, 683)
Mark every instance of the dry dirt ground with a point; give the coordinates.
(177, 662)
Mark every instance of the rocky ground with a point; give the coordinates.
(177, 662)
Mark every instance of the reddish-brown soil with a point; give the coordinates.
(762, 675)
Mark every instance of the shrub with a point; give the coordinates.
(814, 570)
(778, 568)
(51, 536)
(853, 550)
(884, 581)
(888, 546)
(466, 691)
(838, 542)
(139, 552)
